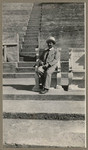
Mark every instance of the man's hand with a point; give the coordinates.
(41, 62)
(45, 66)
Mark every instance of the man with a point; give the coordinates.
(48, 62)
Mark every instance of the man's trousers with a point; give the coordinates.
(46, 76)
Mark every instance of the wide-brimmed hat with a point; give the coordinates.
(51, 39)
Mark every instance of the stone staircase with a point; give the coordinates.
(30, 41)
(26, 70)
(65, 22)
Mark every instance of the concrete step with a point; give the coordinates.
(49, 110)
(31, 41)
(76, 75)
(80, 82)
(31, 38)
(30, 44)
(32, 54)
(18, 75)
(35, 16)
(31, 35)
(27, 58)
(32, 49)
(21, 59)
(33, 28)
(26, 64)
(25, 69)
(79, 74)
(29, 47)
(22, 133)
(33, 24)
(32, 31)
(27, 95)
(21, 88)
(28, 67)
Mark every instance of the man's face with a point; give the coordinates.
(50, 44)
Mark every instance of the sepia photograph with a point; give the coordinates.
(44, 74)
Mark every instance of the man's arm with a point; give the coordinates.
(40, 60)
(56, 58)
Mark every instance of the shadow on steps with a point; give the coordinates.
(21, 87)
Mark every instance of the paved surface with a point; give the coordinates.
(45, 133)
(32, 119)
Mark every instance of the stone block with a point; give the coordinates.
(9, 67)
(64, 66)
(64, 55)
(64, 75)
(64, 81)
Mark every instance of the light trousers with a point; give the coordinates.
(46, 76)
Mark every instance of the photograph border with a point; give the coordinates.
(1, 72)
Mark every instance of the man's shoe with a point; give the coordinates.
(44, 91)
(41, 87)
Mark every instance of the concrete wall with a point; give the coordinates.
(15, 17)
(64, 21)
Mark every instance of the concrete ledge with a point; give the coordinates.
(52, 110)
(44, 97)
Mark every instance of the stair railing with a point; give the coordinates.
(5, 45)
(71, 59)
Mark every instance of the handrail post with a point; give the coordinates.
(39, 40)
(70, 59)
(5, 53)
(70, 75)
(58, 86)
(17, 47)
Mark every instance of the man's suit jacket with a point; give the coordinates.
(50, 56)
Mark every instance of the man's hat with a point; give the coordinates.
(51, 39)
